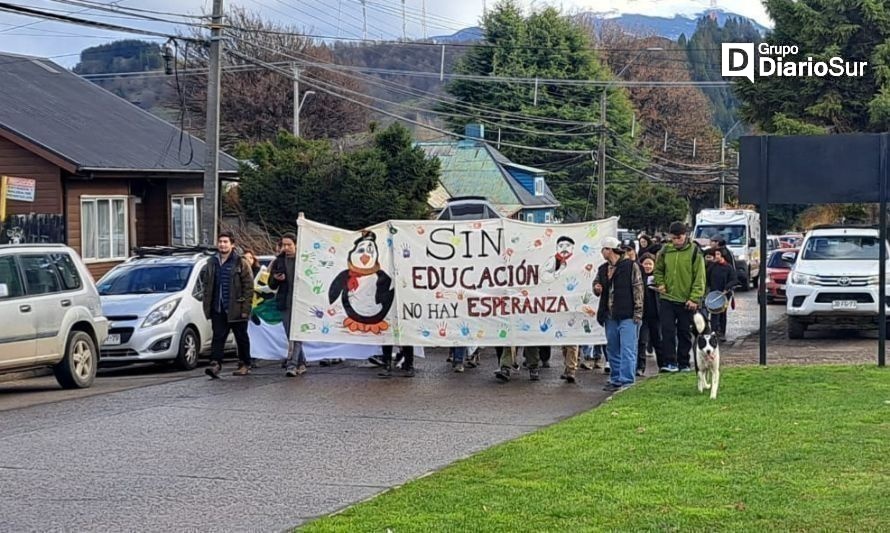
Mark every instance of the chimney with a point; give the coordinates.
(475, 131)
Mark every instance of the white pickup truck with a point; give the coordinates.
(834, 279)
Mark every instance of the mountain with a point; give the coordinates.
(670, 28)
(462, 36)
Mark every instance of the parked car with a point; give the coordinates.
(777, 269)
(51, 313)
(791, 240)
(154, 305)
(834, 280)
(773, 243)
(468, 208)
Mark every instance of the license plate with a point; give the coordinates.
(843, 304)
(113, 339)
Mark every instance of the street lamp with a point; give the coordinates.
(297, 109)
(601, 188)
(723, 163)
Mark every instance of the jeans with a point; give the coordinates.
(295, 355)
(676, 333)
(459, 355)
(621, 336)
(221, 327)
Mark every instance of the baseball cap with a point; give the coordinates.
(611, 242)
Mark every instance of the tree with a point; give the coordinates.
(257, 103)
(650, 207)
(546, 45)
(389, 179)
(856, 31)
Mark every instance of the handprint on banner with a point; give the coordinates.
(316, 312)
(588, 270)
(443, 329)
(307, 328)
(586, 248)
(546, 324)
(571, 284)
(477, 225)
(456, 240)
(586, 326)
(337, 238)
(393, 230)
(515, 240)
(587, 298)
(332, 250)
(524, 326)
(305, 257)
(548, 232)
(325, 328)
(593, 231)
(465, 329)
(389, 242)
(508, 254)
(333, 311)
(461, 294)
(406, 250)
(480, 334)
(420, 230)
(317, 287)
(503, 332)
(310, 272)
(316, 246)
(425, 333)
(572, 322)
(560, 334)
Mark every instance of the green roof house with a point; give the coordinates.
(473, 168)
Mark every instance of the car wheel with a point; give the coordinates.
(745, 283)
(755, 281)
(77, 369)
(796, 328)
(189, 347)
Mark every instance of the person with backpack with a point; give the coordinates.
(680, 279)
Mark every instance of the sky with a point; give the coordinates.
(63, 42)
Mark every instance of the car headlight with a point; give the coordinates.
(873, 280)
(799, 278)
(161, 313)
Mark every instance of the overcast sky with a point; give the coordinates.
(63, 42)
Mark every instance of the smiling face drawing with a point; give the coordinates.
(364, 255)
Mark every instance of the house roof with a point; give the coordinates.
(44, 105)
(475, 169)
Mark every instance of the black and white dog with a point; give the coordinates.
(707, 354)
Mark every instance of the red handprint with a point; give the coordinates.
(443, 329)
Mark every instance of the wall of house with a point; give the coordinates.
(97, 187)
(526, 179)
(152, 213)
(539, 215)
(18, 162)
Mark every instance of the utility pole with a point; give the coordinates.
(210, 215)
(296, 100)
(722, 173)
(601, 187)
(423, 17)
(364, 20)
(404, 24)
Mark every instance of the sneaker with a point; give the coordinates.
(585, 366)
(612, 387)
(503, 374)
(324, 362)
(385, 374)
(570, 378)
(606, 368)
(243, 370)
(596, 364)
(685, 369)
(534, 374)
(515, 366)
(301, 370)
(291, 372)
(473, 361)
(213, 370)
(406, 373)
(448, 360)
(640, 373)
(670, 369)
(376, 360)
(458, 367)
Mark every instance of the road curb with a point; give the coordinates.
(25, 374)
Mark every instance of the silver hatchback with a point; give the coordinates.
(50, 313)
(154, 305)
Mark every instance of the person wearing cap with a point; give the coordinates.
(680, 278)
(620, 312)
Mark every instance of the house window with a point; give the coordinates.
(530, 217)
(539, 186)
(103, 228)
(548, 217)
(185, 223)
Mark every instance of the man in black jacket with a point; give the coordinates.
(620, 312)
(227, 297)
(282, 279)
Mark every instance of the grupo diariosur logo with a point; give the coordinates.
(738, 60)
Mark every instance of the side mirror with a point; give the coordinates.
(4, 290)
(789, 257)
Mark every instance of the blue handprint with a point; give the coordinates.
(465, 329)
(586, 249)
(325, 328)
(571, 284)
(425, 332)
(546, 325)
(406, 250)
(560, 334)
(316, 245)
(316, 312)
(524, 326)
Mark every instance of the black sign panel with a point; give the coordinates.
(822, 169)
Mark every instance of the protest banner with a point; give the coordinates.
(497, 282)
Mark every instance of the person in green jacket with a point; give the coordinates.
(680, 278)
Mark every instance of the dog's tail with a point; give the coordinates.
(700, 323)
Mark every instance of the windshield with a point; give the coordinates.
(776, 261)
(145, 279)
(733, 235)
(842, 247)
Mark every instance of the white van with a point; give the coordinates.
(740, 228)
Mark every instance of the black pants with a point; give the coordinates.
(718, 323)
(676, 333)
(650, 335)
(545, 354)
(407, 353)
(221, 328)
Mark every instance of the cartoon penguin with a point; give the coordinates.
(556, 265)
(365, 290)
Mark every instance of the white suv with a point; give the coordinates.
(834, 280)
(49, 313)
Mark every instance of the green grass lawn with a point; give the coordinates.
(783, 448)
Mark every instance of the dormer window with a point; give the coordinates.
(539, 186)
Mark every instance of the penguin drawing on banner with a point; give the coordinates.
(365, 290)
(556, 265)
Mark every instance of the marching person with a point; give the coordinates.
(532, 355)
(570, 360)
(721, 278)
(650, 330)
(680, 278)
(227, 299)
(282, 279)
(406, 354)
(648, 245)
(620, 312)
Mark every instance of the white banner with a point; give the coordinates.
(443, 283)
